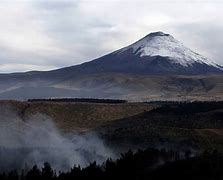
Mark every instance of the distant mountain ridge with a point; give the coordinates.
(151, 63)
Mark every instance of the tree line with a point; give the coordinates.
(183, 107)
(143, 164)
(86, 100)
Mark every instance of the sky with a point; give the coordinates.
(50, 34)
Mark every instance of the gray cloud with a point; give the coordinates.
(41, 35)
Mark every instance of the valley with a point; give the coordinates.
(117, 86)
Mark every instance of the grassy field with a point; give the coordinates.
(78, 116)
(195, 126)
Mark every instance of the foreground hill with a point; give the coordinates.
(156, 67)
(73, 116)
(196, 126)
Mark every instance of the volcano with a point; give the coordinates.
(156, 53)
(156, 66)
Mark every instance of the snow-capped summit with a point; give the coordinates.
(165, 45)
(149, 68)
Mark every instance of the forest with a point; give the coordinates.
(143, 164)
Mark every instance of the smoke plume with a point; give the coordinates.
(36, 140)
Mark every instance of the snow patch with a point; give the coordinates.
(161, 44)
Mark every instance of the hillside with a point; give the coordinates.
(196, 126)
(75, 116)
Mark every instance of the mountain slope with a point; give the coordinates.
(156, 54)
(153, 67)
